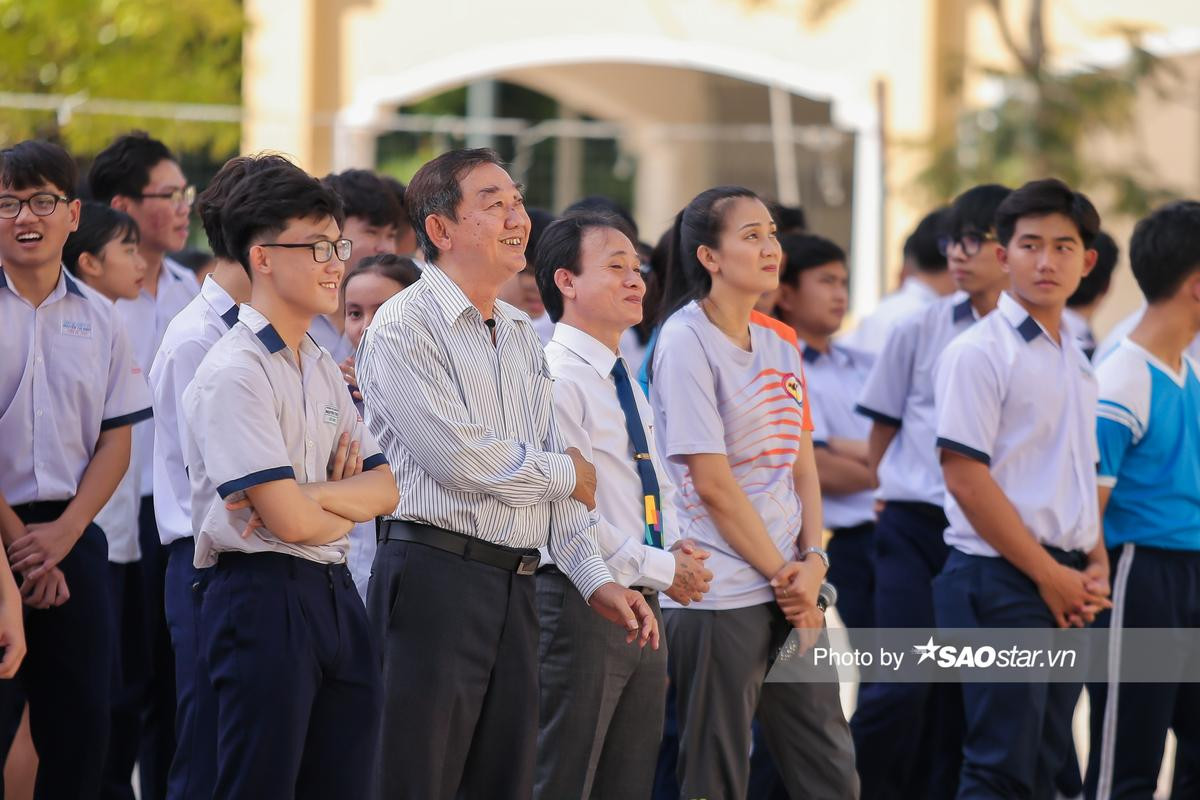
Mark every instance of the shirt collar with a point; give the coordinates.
(587, 347)
(452, 300)
(918, 288)
(219, 300)
(176, 270)
(1018, 317)
(65, 284)
(266, 333)
(963, 310)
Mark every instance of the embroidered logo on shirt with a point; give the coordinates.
(81, 330)
(332, 415)
(791, 385)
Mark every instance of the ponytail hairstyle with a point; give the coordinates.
(684, 278)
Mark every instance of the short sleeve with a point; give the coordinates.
(806, 420)
(1115, 439)
(685, 395)
(235, 429)
(889, 382)
(969, 396)
(1122, 411)
(127, 396)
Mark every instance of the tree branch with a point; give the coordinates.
(1028, 65)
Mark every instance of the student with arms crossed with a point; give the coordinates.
(290, 657)
(1019, 463)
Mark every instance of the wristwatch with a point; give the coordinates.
(821, 554)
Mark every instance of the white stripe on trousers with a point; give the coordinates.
(1108, 740)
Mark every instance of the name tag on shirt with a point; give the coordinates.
(80, 330)
(332, 415)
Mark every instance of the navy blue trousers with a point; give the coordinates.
(193, 769)
(296, 678)
(907, 736)
(130, 675)
(156, 746)
(1017, 734)
(1152, 588)
(66, 676)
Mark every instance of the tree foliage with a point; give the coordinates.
(168, 51)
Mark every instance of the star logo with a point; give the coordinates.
(926, 651)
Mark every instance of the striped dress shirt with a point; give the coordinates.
(468, 426)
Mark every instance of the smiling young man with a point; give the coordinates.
(293, 669)
(141, 176)
(70, 390)
(1016, 401)
(601, 709)
(457, 391)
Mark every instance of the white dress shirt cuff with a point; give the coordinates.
(658, 568)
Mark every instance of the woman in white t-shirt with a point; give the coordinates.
(732, 417)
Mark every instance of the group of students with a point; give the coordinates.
(389, 535)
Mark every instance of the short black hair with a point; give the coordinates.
(193, 258)
(365, 195)
(561, 247)
(539, 220)
(435, 189)
(32, 163)
(398, 188)
(805, 251)
(212, 199)
(921, 247)
(788, 219)
(263, 203)
(1043, 197)
(99, 224)
(123, 168)
(599, 204)
(1096, 282)
(1165, 249)
(974, 211)
(401, 269)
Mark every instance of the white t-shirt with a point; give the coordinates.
(710, 396)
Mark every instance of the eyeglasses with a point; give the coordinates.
(184, 197)
(41, 204)
(969, 242)
(322, 250)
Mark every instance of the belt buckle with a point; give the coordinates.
(528, 565)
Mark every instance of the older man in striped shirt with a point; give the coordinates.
(457, 391)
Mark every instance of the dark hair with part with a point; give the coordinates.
(210, 202)
(123, 168)
(921, 246)
(599, 204)
(32, 163)
(365, 195)
(1044, 197)
(400, 269)
(805, 251)
(1165, 249)
(436, 189)
(974, 211)
(561, 248)
(398, 188)
(99, 224)
(1096, 283)
(263, 203)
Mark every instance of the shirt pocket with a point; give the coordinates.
(76, 366)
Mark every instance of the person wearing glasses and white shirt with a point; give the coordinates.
(602, 702)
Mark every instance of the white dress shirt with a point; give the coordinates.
(590, 417)
(467, 425)
(872, 332)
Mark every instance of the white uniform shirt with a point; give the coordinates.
(66, 374)
(544, 326)
(899, 392)
(835, 380)
(323, 332)
(186, 341)
(1011, 398)
(1124, 328)
(255, 416)
(872, 333)
(590, 417)
(146, 318)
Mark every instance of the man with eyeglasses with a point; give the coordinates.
(140, 176)
(907, 736)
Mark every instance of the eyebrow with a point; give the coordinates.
(755, 225)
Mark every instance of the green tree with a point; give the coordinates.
(167, 51)
(1046, 117)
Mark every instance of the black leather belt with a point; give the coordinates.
(523, 561)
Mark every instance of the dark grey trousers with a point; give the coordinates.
(459, 642)
(719, 660)
(602, 700)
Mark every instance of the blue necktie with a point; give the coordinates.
(641, 456)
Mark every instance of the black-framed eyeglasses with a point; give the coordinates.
(41, 204)
(178, 197)
(322, 250)
(970, 242)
